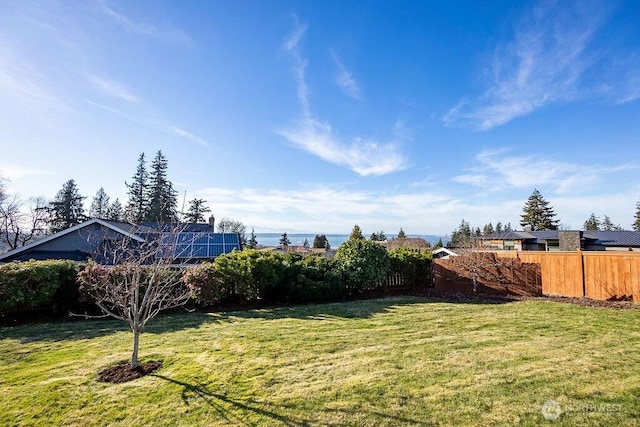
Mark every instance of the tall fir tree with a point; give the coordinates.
(116, 211)
(197, 210)
(253, 241)
(608, 225)
(99, 205)
(138, 204)
(67, 209)
(163, 199)
(284, 241)
(592, 223)
(538, 214)
(356, 233)
(636, 220)
(401, 234)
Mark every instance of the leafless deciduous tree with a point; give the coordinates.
(20, 222)
(143, 280)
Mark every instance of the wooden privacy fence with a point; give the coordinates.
(485, 272)
(596, 275)
(605, 275)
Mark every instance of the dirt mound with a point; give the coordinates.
(122, 372)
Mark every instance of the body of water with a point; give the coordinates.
(335, 240)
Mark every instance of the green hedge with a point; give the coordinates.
(359, 266)
(413, 264)
(38, 285)
(252, 275)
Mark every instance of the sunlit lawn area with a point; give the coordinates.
(397, 361)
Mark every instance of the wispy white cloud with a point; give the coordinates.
(365, 156)
(151, 122)
(188, 135)
(112, 88)
(144, 29)
(497, 170)
(27, 88)
(13, 171)
(333, 209)
(345, 80)
(542, 65)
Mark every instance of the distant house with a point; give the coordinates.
(563, 240)
(443, 253)
(95, 236)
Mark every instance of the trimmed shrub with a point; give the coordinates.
(364, 265)
(413, 264)
(39, 285)
(271, 277)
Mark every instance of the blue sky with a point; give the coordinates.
(317, 115)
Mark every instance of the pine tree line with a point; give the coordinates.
(152, 198)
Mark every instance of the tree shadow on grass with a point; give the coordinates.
(356, 309)
(177, 320)
(242, 409)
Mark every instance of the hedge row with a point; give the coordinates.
(39, 285)
(239, 277)
(358, 266)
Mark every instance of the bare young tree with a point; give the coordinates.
(20, 222)
(142, 280)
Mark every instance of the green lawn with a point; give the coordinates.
(397, 361)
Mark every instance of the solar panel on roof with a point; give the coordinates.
(200, 245)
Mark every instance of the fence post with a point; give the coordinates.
(584, 284)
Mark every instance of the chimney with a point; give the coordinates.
(212, 223)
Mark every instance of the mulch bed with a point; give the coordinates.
(122, 372)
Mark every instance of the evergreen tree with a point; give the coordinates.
(197, 209)
(401, 234)
(508, 227)
(99, 205)
(138, 204)
(356, 233)
(636, 221)
(439, 244)
(253, 242)
(115, 211)
(163, 199)
(499, 227)
(488, 229)
(607, 225)
(284, 241)
(66, 210)
(592, 223)
(305, 244)
(378, 236)
(320, 241)
(538, 214)
(461, 237)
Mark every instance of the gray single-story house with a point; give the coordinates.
(565, 240)
(96, 237)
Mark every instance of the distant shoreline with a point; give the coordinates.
(335, 240)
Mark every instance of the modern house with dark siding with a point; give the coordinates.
(562, 240)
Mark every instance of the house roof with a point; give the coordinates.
(196, 240)
(123, 228)
(614, 238)
(623, 238)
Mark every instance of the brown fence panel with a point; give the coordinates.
(603, 275)
(611, 275)
(484, 272)
(561, 271)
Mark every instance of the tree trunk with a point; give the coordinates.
(134, 354)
